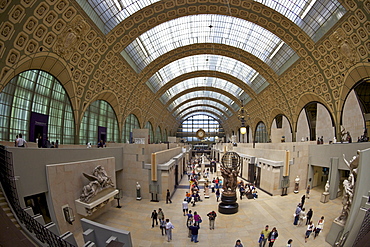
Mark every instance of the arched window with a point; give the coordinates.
(189, 127)
(149, 126)
(261, 133)
(99, 123)
(158, 135)
(34, 103)
(131, 123)
(165, 136)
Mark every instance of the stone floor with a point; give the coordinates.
(253, 215)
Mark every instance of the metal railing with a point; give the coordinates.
(7, 180)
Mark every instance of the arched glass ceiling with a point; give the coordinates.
(207, 82)
(200, 109)
(310, 15)
(195, 29)
(209, 62)
(196, 114)
(203, 94)
(204, 102)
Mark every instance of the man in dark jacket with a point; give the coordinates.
(212, 216)
(194, 233)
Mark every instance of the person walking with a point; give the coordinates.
(302, 216)
(238, 243)
(154, 218)
(310, 228)
(212, 217)
(168, 197)
(218, 194)
(319, 227)
(264, 235)
(160, 215)
(169, 228)
(273, 235)
(309, 216)
(162, 226)
(296, 215)
(185, 207)
(194, 233)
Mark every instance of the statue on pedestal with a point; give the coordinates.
(327, 186)
(349, 186)
(230, 166)
(138, 191)
(296, 184)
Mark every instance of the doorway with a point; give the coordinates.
(39, 205)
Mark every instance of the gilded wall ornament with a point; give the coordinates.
(344, 47)
(70, 39)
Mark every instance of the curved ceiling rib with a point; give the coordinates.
(210, 103)
(203, 112)
(201, 107)
(207, 62)
(173, 108)
(215, 93)
(205, 82)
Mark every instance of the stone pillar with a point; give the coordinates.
(334, 178)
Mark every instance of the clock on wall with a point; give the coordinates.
(201, 134)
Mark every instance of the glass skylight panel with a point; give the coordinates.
(195, 29)
(202, 102)
(310, 15)
(202, 62)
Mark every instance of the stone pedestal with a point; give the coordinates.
(206, 192)
(335, 229)
(228, 203)
(324, 197)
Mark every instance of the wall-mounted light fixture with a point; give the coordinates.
(68, 214)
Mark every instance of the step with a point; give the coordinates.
(3, 204)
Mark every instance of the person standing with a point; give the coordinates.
(264, 235)
(212, 217)
(303, 200)
(296, 215)
(20, 142)
(197, 218)
(185, 207)
(273, 235)
(154, 218)
(308, 189)
(238, 243)
(168, 196)
(319, 227)
(289, 243)
(194, 232)
(302, 216)
(309, 216)
(169, 228)
(40, 141)
(218, 194)
(309, 231)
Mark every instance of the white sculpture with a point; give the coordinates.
(296, 184)
(99, 180)
(138, 191)
(349, 186)
(327, 186)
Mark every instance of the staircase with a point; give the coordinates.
(5, 207)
